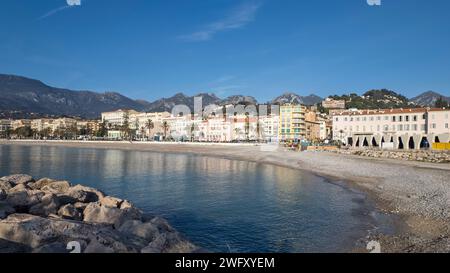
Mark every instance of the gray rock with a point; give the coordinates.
(85, 194)
(57, 187)
(12, 247)
(96, 213)
(5, 210)
(3, 194)
(80, 206)
(5, 185)
(126, 205)
(35, 231)
(96, 247)
(19, 188)
(48, 205)
(146, 231)
(55, 247)
(111, 202)
(70, 212)
(18, 179)
(41, 183)
(169, 243)
(24, 199)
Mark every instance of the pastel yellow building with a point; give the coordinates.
(292, 124)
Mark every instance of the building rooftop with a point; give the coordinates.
(389, 111)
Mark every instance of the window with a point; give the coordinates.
(371, 118)
(393, 118)
(406, 127)
(378, 118)
(414, 127)
(345, 119)
(337, 119)
(414, 118)
(424, 116)
(357, 119)
(364, 119)
(351, 119)
(386, 118)
(407, 118)
(400, 118)
(433, 116)
(386, 128)
(422, 127)
(400, 127)
(433, 125)
(378, 128)
(446, 126)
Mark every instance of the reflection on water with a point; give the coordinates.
(219, 204)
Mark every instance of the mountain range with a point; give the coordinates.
(21, 97)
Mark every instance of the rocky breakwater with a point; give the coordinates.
(45, 216)
(422, 156)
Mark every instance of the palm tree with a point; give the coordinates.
(165, 126)
(247, 126)
(149, 125)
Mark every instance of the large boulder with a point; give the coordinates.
(19, 188)
(6, 185)
(5, 210)
(3, 194)
(84, 194)
(41, 183)
(41, 234)
(146, 231)
(18, 179)
(23, 200)
(111, 202)
(96, 213)
(49, 205)
(56, 187)
(55, 247)
(70, 212)
(171, 242)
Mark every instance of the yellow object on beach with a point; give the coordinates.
(441, 146)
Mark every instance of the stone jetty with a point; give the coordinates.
(51, 216)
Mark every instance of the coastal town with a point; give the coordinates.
(327, 124)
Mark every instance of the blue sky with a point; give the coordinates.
(149, 49)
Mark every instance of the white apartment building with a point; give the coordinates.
(402, 128)
(5, 125)
(18, 123)
(215, 129)
(117, 118)
(269, 127)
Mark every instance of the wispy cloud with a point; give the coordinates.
(69, 4)
(237, 18)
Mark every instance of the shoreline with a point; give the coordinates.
(413, 192)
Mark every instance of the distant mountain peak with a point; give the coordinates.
(428, 98)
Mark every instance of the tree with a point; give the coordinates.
(125, 128)
(24, 132)
(45, 133)
(149, 125)
(247, 126)
(102, 130)
(165, 127)
(441, 103)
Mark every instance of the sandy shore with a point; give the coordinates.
(419, 193)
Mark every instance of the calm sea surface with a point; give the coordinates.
(222, 205)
